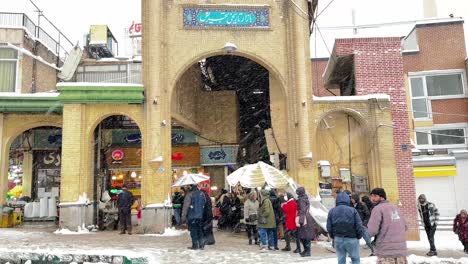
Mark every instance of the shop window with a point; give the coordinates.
(8, 65)
(442, 137)
(434, 86)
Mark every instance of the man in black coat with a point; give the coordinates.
(364, 214)
(124, 204)
(276, 203)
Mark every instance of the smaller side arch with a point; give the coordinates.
(99, 118)
(355, 114)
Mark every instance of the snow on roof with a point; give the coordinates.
(439, 21)
(29, 95)
(38, 58)
(385, 97)
(82, 84)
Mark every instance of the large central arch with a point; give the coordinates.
(182, 91)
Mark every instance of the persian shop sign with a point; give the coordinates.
(219, 155)
(226, 18)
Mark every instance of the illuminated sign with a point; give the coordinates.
(226, 18)
(135, 29)
(117, 156)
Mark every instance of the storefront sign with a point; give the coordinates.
(183, 137)
(47, 138)
(47, 159)
(217, 155)
(124, 157)
(186, 156)
(226, 18)
(117, 156)
(126, 137)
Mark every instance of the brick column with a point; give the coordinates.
(378, 66)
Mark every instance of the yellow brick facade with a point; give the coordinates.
(169, 53)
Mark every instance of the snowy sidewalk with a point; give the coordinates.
(27, 242)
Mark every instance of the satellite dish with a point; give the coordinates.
(70, 64)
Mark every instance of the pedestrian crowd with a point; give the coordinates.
(268, 215)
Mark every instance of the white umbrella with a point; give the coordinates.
(189, 179)
(256, 175)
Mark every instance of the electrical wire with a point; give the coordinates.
(325, 8)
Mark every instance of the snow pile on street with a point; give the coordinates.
(169, 232)
(81, 230)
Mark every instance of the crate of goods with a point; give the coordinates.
(17, 218)
(6, 220)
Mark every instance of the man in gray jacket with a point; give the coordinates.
(388, 225)
(430, 216)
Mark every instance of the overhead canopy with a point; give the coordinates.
(256, 175)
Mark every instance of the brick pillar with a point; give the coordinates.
(299, 60)
(74, 179)
(378, 65)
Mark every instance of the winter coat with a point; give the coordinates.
(388, 225)
(461, 226)
(186, 207)
(276, 203)
(177, 200)
(207, 213)
(266, 210)
(125, 201)
(197, 206)
(433, 212)
(250, 208)
(363, 212)
(306, 231)
(290, 211)
(344, 220)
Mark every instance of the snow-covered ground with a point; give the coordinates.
(107, 247)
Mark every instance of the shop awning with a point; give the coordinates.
(435, 171)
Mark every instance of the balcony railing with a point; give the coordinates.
(117, 73)
(57, 43)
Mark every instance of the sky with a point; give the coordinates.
(74, 17)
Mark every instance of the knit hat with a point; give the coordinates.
(380, 192)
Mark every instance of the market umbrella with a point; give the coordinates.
(256, 175)
(189, 179)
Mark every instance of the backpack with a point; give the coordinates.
(197, 205)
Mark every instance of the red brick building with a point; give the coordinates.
(424, 73)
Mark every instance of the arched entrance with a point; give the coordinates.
(117, 142)
(227, 111)
(34, 172)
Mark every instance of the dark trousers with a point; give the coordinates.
(196, 233)
(306, 244)
(125, 219)
(430, 231)
(288, 235)
(252, 232)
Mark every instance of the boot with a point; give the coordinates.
(298, 250)
(431, 253)
(287, 248)
(122, 232)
